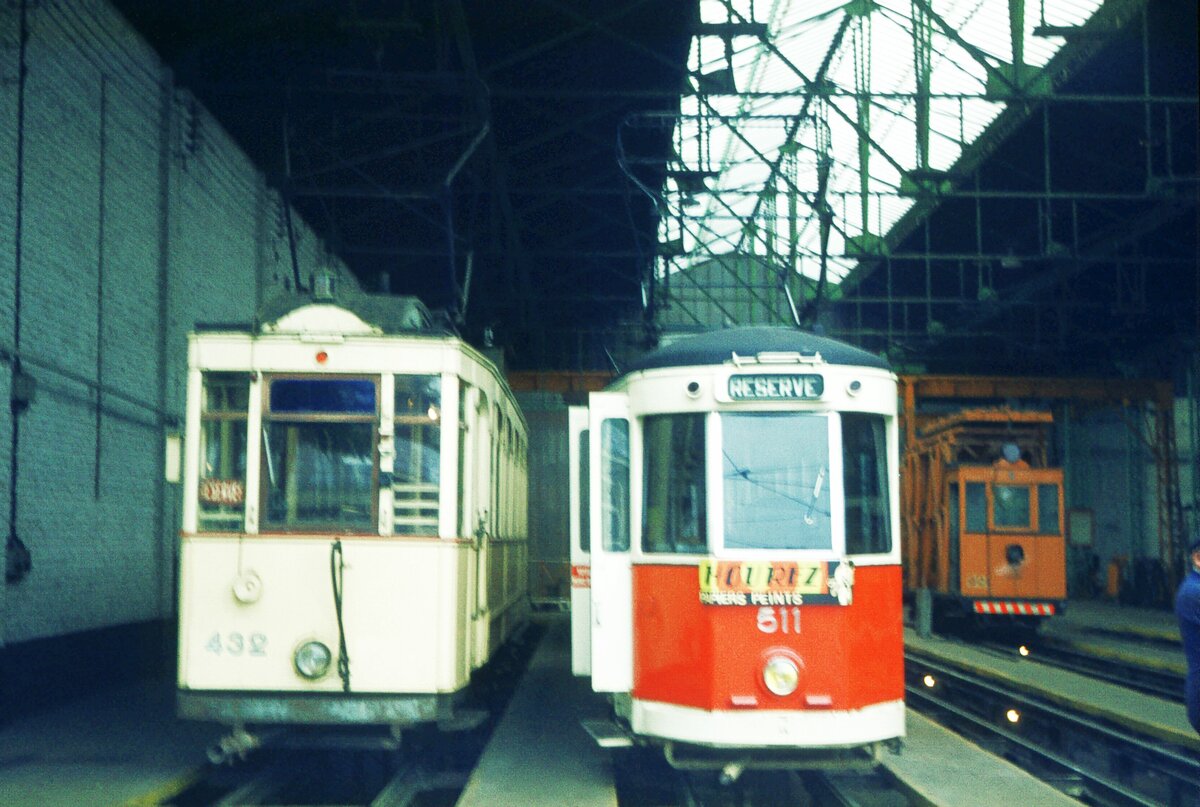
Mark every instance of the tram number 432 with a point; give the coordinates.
(237, 644)
(779, 620)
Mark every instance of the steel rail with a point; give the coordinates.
(1148, 680)
(1178, 768)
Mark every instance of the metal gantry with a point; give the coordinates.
(971, 201)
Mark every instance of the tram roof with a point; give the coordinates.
(720, 346)
(388, 313)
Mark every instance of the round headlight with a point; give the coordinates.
(781, 675)
(312, 660)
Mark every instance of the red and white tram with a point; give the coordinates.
(354, 517)
(735, 548)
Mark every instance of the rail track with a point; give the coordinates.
(329, 777)
(644, 779)
(1109, 666)
(422, 767)
(1102, 763)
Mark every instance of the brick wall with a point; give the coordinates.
(139, 217)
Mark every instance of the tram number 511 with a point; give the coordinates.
(774, 620)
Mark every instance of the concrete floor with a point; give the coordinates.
(122, 746)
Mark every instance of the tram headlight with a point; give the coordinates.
(312, 660)
(781, 675)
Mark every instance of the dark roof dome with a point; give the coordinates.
(718, 347)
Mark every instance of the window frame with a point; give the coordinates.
(968, 524)
(834, 471)
(236, 521)
(620, 527)
(398, 420)
(1058, 531)
(888, 481)
(1030, 506)
(714, 437)
(266, 417)
(705, 522)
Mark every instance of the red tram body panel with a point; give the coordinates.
(709, 657)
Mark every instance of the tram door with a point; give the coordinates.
(579, 531)
(610, 491)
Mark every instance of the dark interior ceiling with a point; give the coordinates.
(467, 152)
(429, 142)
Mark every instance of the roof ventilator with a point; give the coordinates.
(324, 286)
(779, 357)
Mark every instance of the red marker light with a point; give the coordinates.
(322, 357)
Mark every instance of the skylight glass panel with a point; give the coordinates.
(761, 159)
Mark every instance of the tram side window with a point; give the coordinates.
(614, 485)
(465, 527)
(954, 548)
(417, 468)
(976, 507)
(1048, 509)
(222, 494)
(673, 469)
(952, 508)
(775, 470)
(585, 513)
(864, 464)
(319, 452)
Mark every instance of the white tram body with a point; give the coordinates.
(354, 517)
(735, 547)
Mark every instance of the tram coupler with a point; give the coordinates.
(732, 772)
(234, 746)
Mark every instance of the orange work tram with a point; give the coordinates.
(984, 512)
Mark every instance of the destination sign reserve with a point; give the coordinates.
(776, 387)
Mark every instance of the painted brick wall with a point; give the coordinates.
(8, 147)
(139, 218)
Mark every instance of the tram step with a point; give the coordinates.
(606, 733)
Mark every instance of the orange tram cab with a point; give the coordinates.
(736, 568)
(986, 520)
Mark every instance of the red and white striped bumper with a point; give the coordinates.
(1014, 608)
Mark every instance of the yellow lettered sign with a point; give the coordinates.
(764, 582)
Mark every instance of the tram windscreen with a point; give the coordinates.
(776, 475)
(319, 453)
(319, 474)
(1011, 507)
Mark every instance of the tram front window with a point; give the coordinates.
(418, 413)
(864, 469)
(1048, 509)
(675, 516)
(776, 473)
(222, 493)
(318, 447)
(1011, 508)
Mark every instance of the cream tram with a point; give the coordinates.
(736, 562)
(354, 517)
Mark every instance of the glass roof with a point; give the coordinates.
(753, 157)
